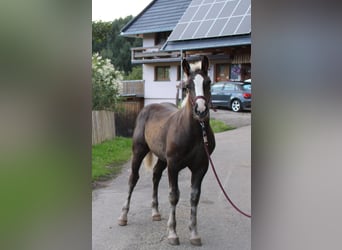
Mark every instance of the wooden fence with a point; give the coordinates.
(126, 115)
(103, 126)
(106, 124)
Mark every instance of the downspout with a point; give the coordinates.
(182, 75)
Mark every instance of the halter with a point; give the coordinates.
(193, 100)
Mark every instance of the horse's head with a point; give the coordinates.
(198, 88)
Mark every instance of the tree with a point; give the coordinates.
(108, 42)
(101, 33)
(106, 82)
(136, 73)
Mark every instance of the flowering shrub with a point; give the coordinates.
(106, 82)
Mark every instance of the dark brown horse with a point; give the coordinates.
(175, 136)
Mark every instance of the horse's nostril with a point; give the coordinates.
(202, 114)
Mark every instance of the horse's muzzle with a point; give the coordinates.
(201, 114)
(201, 108)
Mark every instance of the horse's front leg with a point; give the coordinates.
(196, 182)
(157, 173)
(173, 198)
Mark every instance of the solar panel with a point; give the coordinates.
(213, 18)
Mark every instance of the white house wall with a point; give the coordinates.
(148, 40)
(163, 91)
(159, 91)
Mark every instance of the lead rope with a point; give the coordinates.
(205, 140)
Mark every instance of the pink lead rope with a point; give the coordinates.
(205, 139)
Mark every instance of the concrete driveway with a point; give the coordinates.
(219, 225)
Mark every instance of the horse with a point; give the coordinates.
(175, 136)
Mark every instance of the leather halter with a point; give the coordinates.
(193, 101)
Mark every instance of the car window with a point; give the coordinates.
(229, 87)
(216, 88)
(247, 86)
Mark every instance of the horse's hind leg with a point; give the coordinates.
(139, 152)
(157, 173)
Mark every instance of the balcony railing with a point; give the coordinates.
(153, 54)
(132, 88)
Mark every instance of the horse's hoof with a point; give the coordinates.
(156, 217)
(173, 241)
(196, 241)
(122, 222)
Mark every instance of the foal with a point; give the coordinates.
(175, 136)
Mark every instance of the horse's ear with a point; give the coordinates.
(186, 67)
(205, 64)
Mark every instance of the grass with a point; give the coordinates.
(108, 157)
(219, 126)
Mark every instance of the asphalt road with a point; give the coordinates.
(219, 225)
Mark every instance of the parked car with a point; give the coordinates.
(234, 95)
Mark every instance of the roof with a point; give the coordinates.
(212, 23)
(204, 19)
(158, 16)
(215, 42)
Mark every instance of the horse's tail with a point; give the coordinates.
(148, 161)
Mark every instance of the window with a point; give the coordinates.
(247, 86)
(162, 73)
(245, 71)
(216, 88)
(222, 72)
(235, 72)
(229, 87)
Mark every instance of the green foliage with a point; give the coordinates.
(101, 33)
(106, 82)
(107, 41)
(136, 74)
(219, 126)
(108, 157)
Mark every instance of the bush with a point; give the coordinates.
(106, 83)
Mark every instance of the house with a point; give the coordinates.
(173, 30)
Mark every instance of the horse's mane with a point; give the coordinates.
(185, 100)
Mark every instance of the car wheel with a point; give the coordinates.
(236, 105)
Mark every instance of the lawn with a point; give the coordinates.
(108, 157)
(219, 126)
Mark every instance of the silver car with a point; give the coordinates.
(236, 96)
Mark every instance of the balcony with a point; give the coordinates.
(153, 55)
(132, 88)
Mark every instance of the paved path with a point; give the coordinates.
(219, 225)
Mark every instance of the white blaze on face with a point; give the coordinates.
(198, 81)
